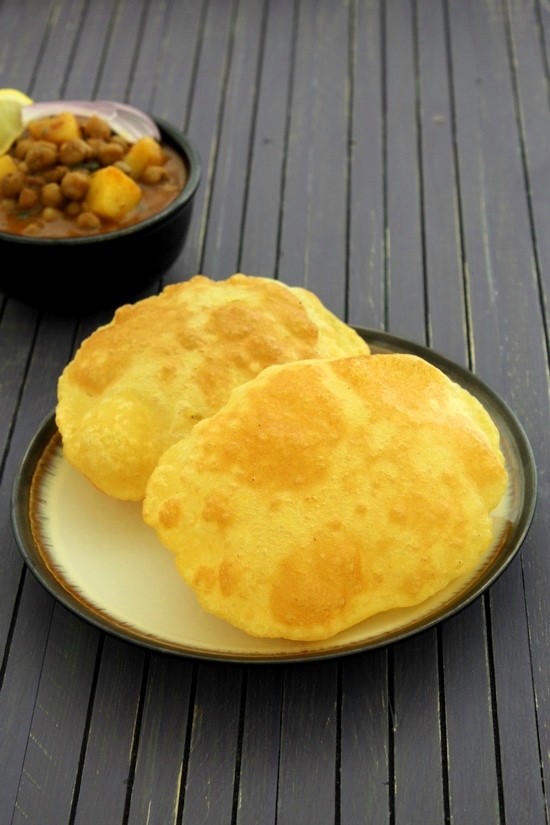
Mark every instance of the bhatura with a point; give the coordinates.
(142, 382)
(327, 491)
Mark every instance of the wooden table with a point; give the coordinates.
(394, 157)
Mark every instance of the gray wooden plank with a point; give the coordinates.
(366, 254)
(222, 240)
(531, 71)
(509, 354)
(446, 300)
(175, 61)
(52, 757)
(313, 247)
(18, 686)
(37, 363)
(202, 124)
(17, 330)
(365, 742)
(259, 758)
(121, 47)
(94, 37)
(260, 236)
(472, 780)
(20, 44)
(472, 771)
(542, 11)
(147, 67)
(210, 781)
(308, 749)
(296, 191)
(162, 742)
(12, 16)
(26, 609)
(530, 77)
(403, 182)
(58, 51)
(417, 734)
(106, 777)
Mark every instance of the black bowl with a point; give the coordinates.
(79, 274)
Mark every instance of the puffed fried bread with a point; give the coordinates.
(141, 382)
(325, 492)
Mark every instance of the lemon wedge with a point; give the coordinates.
(11, 124)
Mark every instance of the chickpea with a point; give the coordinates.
(121, 142)
(41, 155)
(94, 146)
(22, 147)
(27, 198)
(73, 208)
(110, 153)
(88, 220)
(12, 184)
(96, 127)
(51, 195)
(35, 180)
(153, 175)
(75, 185)
(54, 175)
(73, 152)
(49, 213)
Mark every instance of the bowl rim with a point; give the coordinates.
(185, 146)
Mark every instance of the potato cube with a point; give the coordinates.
(112, 194)
(56, 129)
(145, 152)
(7, 166)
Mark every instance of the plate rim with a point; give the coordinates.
(47, 430)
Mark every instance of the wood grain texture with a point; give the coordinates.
(162, 745)
(61, 43)
(19, 688)
(405, 299)
(419, 766)
(367, 197)
(531, 74)
(473, 770)
(166, 63)
(508, 352)
(203, 123)
(106, 778)
(50, 768)
(222, 240)
(21, 43)
(210, 783)
(447, 319)
(84, 71)
(33, 355)
(263, 208)
(366, 773)
(261, 739)
(313, 249)
(308, 747)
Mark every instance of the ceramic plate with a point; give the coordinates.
(99, 559)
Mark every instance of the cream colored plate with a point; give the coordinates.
(99, 559)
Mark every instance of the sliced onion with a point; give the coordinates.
(126, 121)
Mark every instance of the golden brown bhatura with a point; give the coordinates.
(327, 491)
(141, 382)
